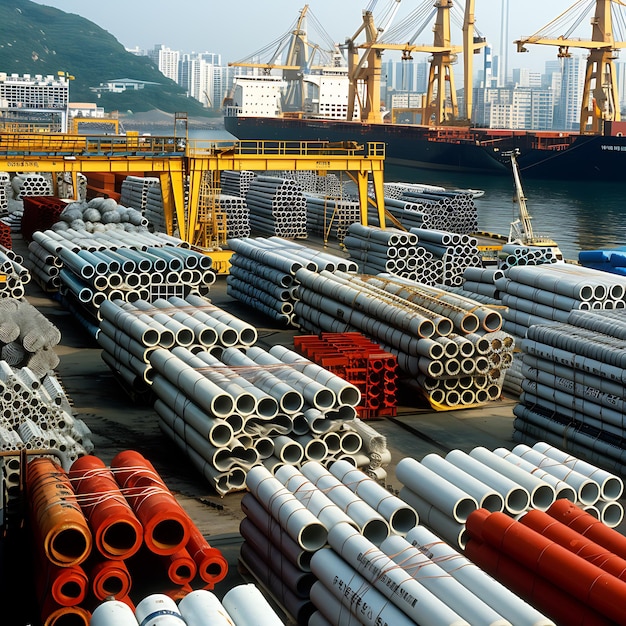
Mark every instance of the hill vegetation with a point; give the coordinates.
(37, 39)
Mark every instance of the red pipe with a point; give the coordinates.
(166, 525)
(65, 586)
(212, 566)
(109, 578)
(58, 522)
(117, 532)
(583, 580)
(575, 542)
(181, 568)
(587, 525)
(537, 591)
(67, 616)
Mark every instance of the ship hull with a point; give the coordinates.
(479, 151)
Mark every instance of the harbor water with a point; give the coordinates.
(578, 215)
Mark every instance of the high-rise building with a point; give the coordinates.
(567, 115)
(166, 60)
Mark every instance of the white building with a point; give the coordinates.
(166, 60)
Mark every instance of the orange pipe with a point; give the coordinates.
(181, 568)
(67, 616)
(110, 578)
(117, 532)
(65, 586)
(537, 591)
(165, 523)
(58, 522)
(583, 580)
(211, 564)
(587, 525)
(575, 542)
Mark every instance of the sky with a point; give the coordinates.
(238, 28)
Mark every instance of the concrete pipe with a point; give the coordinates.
(299, 523)
(436, 489)
(372, 524)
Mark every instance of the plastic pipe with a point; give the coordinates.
(399, 515)
(495, 594)
(516, 497)
(166, 525)
(109, 578)
(158, 609)
(393, 582)
(440, 583)
(59, 524)
(117, 532)
(201, 607)
(113, 613)
(248, 607)
(299, 523)
(435, 489)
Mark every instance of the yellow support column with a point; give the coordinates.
(195, 185)
(173, 189)
(379, 196)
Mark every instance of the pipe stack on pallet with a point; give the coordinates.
(242, 408)
(451, 346)
(573, 390)
(262, 273)
(547, 293)
(277, 207)
(359, 361)
(563, 561)
(334, 546)
(96, 529)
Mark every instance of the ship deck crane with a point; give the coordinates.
(600, 98)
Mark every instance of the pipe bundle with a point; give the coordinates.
(16, 274)
(311, 182)
(547, 293)
(134, 191)
(277, 206)
(31, 184)
(5, 190)
(515, 254)
(236, 183)
(573, 387)
(98, 528)
(262, 273)
(560, 571)
(331, 217)
(451, 346)
(612, 260)
(237, 215)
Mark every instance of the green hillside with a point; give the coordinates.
(36, 39)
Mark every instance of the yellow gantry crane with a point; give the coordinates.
(600, 101)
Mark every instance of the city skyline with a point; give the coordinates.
(265, 22)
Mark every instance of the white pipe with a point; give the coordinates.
(299, 523)
(247, 606)
(486, 497)
(445, 526)
(496, 595)
(516, 497)
(372, 524)
(113, 613)
(399, 515)
(611, 486)
(436, 489)
(392, 581)
(346, 598)
(201, 607)
(158, 609)
(542, 494)
(441, 583)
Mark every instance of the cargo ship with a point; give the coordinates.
(596, 152)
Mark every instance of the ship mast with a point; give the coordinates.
(600, 101)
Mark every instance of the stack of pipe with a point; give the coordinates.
(571, 577)
(277, 206)
(15, 272)
(311, 182)
(514, 254)
(409, 214)
(547, 293)
(396, 190)
(5, 186)
(262, 273)
(611, 260)
(153, 209)
(31, 184)
(331, 217)
(451, 346)
(242, 605)
(391, 250)
(236, 183)
(482, 281)
(134, 191)
(513, 377)
(237, 215)
(573, 390)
